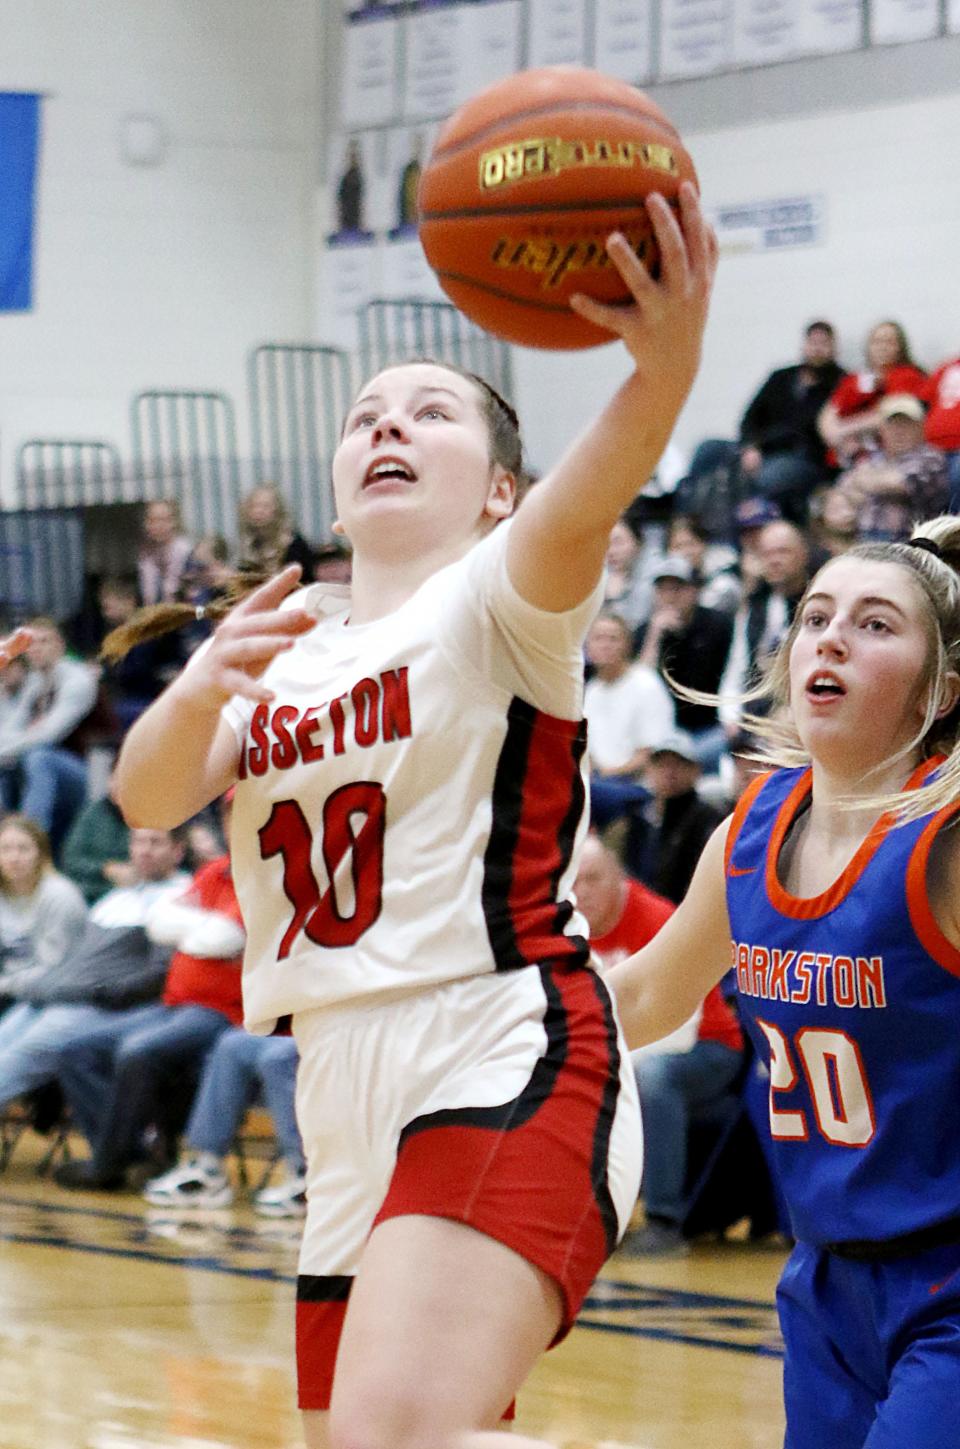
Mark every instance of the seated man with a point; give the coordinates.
(114, 1070)
(40, 773)
(689, 644)
(238, 1067)
(676, 1077)
(96, 849)
(903, 482)
(666, 833)
(112, 965)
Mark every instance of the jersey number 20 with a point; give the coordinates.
(838, 1086)
(288, 835)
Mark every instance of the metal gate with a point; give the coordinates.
(185, 445)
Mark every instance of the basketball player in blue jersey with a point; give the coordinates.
(410, 801)
(837, 879)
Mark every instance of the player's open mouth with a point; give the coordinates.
(823, 686)
(388, 470)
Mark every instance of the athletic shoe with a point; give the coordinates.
(190, 1186)
(656, 1239)
(287, 1200)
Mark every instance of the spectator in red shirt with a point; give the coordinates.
(942, 428)
(676, 1077)
(849, 422)
(113, 1074)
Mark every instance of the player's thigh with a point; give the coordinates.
(444, 1325)
(923, 1405)
(828, 1403)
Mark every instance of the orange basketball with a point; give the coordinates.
(524, 185)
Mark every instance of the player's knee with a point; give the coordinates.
(399, 1420)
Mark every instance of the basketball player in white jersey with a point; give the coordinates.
(410, 800)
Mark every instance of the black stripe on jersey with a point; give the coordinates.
(567, 834)
(601, 1137)
(505, 865)
(333, 1289)
(508, 1115)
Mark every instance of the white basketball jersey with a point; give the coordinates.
(411, 802)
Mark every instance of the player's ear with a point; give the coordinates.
(949, 694)
(501, 494)
(338, 528)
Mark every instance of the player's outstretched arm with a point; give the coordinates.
(660, 987)
(181, 753)
(14, 645)
(560, 536)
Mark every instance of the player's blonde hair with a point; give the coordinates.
(934, 567)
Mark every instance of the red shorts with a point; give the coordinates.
(505, 1102)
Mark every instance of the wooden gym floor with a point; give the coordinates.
(124, 1327)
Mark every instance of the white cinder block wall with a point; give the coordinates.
(168, 275)
(163, 275)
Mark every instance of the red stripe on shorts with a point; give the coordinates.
(533, 1172)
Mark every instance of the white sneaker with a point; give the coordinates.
(287, 1200)
(190, 1185)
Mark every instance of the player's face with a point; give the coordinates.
(415, 451)
(858, 665)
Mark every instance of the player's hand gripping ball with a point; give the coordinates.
(525, 184)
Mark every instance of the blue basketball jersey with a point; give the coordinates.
(853, 999)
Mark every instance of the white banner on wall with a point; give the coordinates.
(370, 69)
(557, 32)
(764, 31)
(436, 42)
(624, 46)
(493, 45)
(456, 49)
(757, 226)
(828, 26)
(894, 21)
(953, 16)
(695, 37)
(349, 278)
(405, 272)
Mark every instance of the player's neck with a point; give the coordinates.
(383, 583)
(834, 813)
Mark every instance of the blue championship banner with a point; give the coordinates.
(19, 147)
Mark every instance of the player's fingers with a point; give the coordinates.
(271, 594)
(238, 682)
(14, 644)
(674, 263)
(611, 318)
(696, 230)
(630, 267)
(286, 622)
(257, 650)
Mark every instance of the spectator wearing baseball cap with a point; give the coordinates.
(666, 834)
(902, 482)
(688, 643)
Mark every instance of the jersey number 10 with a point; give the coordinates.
(317, 914)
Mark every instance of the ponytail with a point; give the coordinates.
(156, 620)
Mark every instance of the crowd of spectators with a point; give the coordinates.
(120, 950)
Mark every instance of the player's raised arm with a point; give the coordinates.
(182, 753)
(560, 535)
(658, 988)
